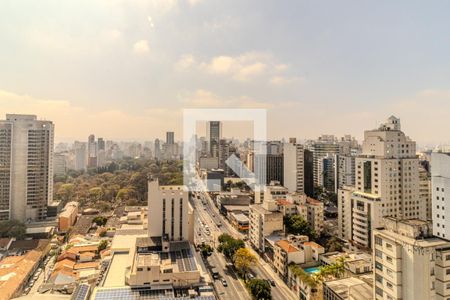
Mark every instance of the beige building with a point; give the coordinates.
(440, 172)
(409, 263)
(310, 209)
(265, 219)
(26, 176)
(387, 183)
(157, 263)
(293, 159)
(170, 214)
(297, 250)
(273, 191)
(68, 216)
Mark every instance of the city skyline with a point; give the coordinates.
(140, 63)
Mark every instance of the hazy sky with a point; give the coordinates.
(126, 69)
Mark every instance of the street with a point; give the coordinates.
(210, 214)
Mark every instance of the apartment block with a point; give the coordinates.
(387, 182)
(409, 262)
(440, 176)
(26, 172)
(265, 219)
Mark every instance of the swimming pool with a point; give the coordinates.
(312, 270)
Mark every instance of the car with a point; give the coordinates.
(271, 281)
(224, 282)
(251, 276)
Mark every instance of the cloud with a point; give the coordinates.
(194, 2)
(206, 99)
(75, 122)
(185, 62)
(141, 47)
(283, 80)
(248, 66)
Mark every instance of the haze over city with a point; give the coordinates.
(320, 67)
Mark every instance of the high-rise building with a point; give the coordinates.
(387, 182)
(170, 215)
(308, 172)
(59, 164)
(440, 182)
(323, 147)
(213, 136)
(101, 144)
(157, 149)
(409, 262)
(294, 169)
(92, 152)
(328, 172)
(224, 154)
(170, 137)
(80, 158)
(269, 166)
(346, 170)
(26, 167)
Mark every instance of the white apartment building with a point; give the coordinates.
(265, 219)
(310, 209)
(170, 214)
(409, 263)
(293, 160)
(387, 182)
(26, 167)
(346, 171)
(440, 182)
(273, 191)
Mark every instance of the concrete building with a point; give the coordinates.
(270, 166)
(350, 288)
(170, 137)
(68, 216)
(157, 263)
(320, 149)
(327, 168)
(265, 219)
(345, 212)
(293, 167)
(213, 136)
(92, 151)
(273, 191)
(440, 177)
(80, 157)
(26, 174)
(409, 263)
(346, 171)
(425, 191)
(387, 182)
(59, 164)
(170, 214)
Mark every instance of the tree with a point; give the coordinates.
(260, 289)
(295, 224)
(12, 228)
(206, 250)
(100, 220)
(333, 245)
(103, 245)
(229, 245)
(244, 260)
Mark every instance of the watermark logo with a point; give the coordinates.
(192, 177)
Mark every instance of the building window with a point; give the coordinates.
(181, 219)
(378, 241)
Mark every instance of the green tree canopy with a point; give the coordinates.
(229, 245)
(295, 224)
(260, 289)
(12, 228)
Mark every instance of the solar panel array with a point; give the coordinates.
(141, 294)
(81, 292)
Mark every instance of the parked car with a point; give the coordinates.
(224, 282)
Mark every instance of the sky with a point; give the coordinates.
(126, 69)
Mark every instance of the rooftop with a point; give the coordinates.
(350, 288)
(286, 246)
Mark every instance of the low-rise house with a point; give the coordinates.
(350, 288)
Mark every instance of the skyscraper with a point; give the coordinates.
(387, 182)
(293, 161)
(170, 137)
(213, 136)
(157, 149)
(26, 167)
(92, 152)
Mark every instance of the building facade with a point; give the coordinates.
(26, 173)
